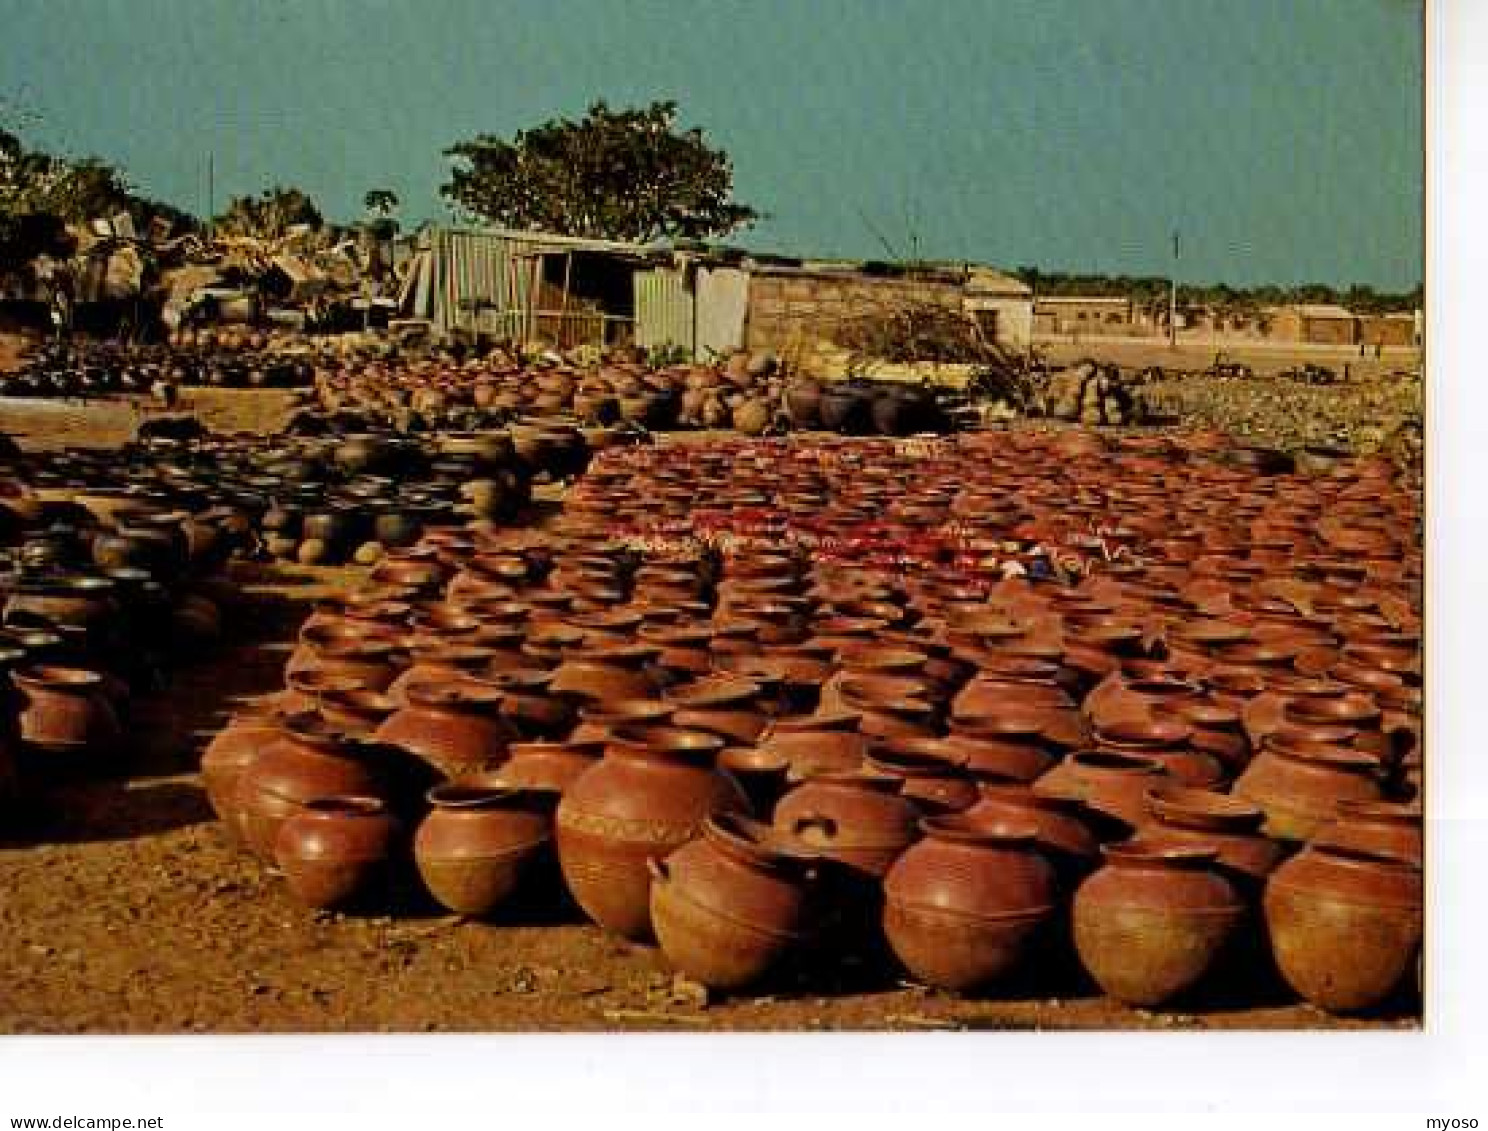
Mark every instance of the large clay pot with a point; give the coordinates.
(1345, 925)
(606, 674)
(1299, 784)
(552, 766)
(929, 773)
(729, 905)
(1112, 786)
(815, 744)
(1059, 825)
(729, 708)
(1152, 922)
(479, 841)
(336, 850)
(963, 905)
(65, 711)
(648, 796)
(455, 728)
(1165, 741)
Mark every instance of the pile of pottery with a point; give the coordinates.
(95, 369)
(1193, 756)
(321, 499)
(99, 595)
(745, 395)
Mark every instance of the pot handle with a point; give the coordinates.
(658, 869)
(814, 821)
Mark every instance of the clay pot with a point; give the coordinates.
(726, 707)
(1345, 924)
(231, 751)
(479, 842)
(929, 772)
(455, 728)
(336, 850)
(551, 766)
(1059, 825)
(1381, 827)
(963, 906)
(606, 674)
(310, 759)
(648, 796)
(728, 906)
(1164, 741)
(1181, 815)
(65, 711)
(1153, 921)
(1111, 786)
(1299, 784)
(860, 820)
(815, 744)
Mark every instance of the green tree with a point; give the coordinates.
(627, 174)
(269, 214)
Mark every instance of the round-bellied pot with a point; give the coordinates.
(1181, 815)
(231, 751)
(647, 796)
(552, 766)
(336, 851)
(728, 906)
(310, 759)
(456, 728)
(931, 775)
(65, 711)
(1112, 786)
(963, 905)
(1300, 783)
(1345, 924)
(1166, 742)
(479, 841)
(1153, 921)
(1059, 826)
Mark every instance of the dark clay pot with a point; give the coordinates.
(65, 711)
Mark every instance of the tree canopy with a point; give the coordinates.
(269, 214)
(628, 174)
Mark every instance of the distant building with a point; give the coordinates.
(1315, 323)
(1388, 330)
(1070, 314)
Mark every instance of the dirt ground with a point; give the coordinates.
(123, 909)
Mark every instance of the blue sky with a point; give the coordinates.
(1282, 137)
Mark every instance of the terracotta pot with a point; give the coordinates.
(311, 759)
(1299, 784)
(648, 796)
(1059, 825)
(1382, 827)
(65, 711)
(964, 905)
(1182, 815)
(479, 842)
(229, 754)
(1019, 758)
(728, 906)
(336, 850)
(607, 674)
(457, 729)
(858, 819)
(930, 773)
(1110, 785)
(1345, 925)
(729, 708)
(552, 766)
(1165, 741)
(815, 744)
(1153, 921)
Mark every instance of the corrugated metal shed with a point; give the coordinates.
(665, 310)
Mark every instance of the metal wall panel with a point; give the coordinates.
(665, 310)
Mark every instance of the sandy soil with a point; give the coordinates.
(124, 909)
